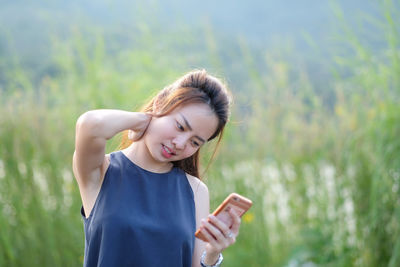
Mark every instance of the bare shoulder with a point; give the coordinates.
(106, 163)
(199, 188)
(201, 197)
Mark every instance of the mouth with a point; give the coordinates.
(167, 152)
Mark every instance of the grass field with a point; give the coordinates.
(320, 159)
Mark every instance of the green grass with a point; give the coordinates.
(323, 172)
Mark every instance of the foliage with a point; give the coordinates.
(319, 160)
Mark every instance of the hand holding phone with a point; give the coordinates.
(238, 203)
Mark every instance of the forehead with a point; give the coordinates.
(200, 117)
(195, 108)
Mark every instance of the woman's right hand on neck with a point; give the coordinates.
(93, 129)
(141, 126)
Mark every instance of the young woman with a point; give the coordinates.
(142, 204)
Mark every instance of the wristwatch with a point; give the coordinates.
(218, 263)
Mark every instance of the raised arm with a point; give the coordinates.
(93, 129)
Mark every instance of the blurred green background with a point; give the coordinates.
(314, 138)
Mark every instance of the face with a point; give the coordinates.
(181, 133)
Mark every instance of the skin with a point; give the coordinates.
(158, 142)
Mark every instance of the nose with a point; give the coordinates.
(179, 142)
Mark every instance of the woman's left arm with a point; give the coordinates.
(218, 234)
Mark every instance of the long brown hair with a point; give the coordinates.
(194, 87)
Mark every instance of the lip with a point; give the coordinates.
(166, 153)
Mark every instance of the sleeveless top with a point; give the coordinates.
(140, 218)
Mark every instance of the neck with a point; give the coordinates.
(139, 154)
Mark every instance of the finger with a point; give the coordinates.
(214, 231)
(130, 134)
(219, 224)
(212, 241)
(236, 221)
(221, 241)
(153, 114)
(150, 118)
(150, 115)
(207, 235)
(137, 135)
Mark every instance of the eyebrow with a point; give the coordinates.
(190, 127)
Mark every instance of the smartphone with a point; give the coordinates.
(234, 201)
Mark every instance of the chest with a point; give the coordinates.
(139, 207)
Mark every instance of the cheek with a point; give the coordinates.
(159, 128)
(189, 151)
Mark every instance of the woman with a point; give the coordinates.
(142, 204)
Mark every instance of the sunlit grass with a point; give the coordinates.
(324, 176)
